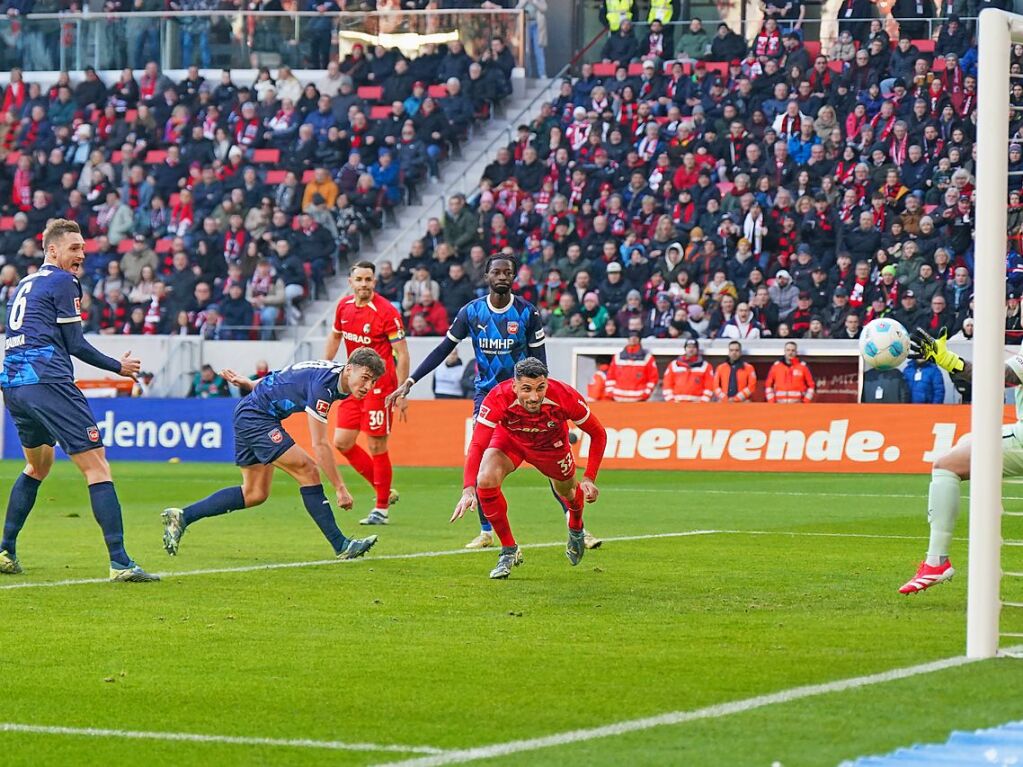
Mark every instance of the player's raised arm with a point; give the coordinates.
(537, 337)
(319, 434)
(333, 344)
(459, 329)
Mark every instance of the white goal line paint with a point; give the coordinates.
(451, 553)
(676, 717)
(191, 737)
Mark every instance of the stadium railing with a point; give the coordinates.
(238, 39)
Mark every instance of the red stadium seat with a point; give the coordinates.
(308, 176)
(164, 245)
(924, 46)
(130, 115)
(266, 156)
(929, 209)
(370, 92)
(719, 68)
(13, 157)
(274, 177)
(6, 223)
(155, 156)
(686, 68)
(92, 246)
(380, 112)
(437, 92)
(725, 187)
(602, 69)
(175, 198)
(125, 245)
(813, 48)
(938, 65)
(116, 156)
(635, 69)
(836, 66)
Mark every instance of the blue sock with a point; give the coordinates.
(23, 498)
(557, 498)
(107, 510)
(485, 525)
(318, 506)
(221, 502)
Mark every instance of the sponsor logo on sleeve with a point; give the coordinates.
(78, 306)
(484, 413)
(322, 407)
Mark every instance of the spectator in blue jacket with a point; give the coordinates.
(926, 386)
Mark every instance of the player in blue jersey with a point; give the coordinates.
(261, 444)
(44, 331)
(504, 329)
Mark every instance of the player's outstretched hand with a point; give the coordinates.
(230, 376)
(590, 491)
(925, 347)
(402, 406)
(344, 499)
(130, 366)
(466, 503)
(398, 394)
(922, 346)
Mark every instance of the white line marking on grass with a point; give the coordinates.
(677, 717)
(449, 553)
(192, 737)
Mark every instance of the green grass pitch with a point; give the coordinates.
(427, 652)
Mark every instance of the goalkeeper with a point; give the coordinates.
(954, 466)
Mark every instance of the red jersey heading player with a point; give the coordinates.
(526, 419)
(367, 319)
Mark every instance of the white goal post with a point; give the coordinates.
(997, 31)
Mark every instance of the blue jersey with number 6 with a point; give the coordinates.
(34, 347)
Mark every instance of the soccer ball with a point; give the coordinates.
(884, 344)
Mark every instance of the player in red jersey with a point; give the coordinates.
(526, 419)
(367, 319)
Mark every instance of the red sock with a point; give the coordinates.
(360, 461)
(495, 509)
(382, 474)
(575, 509)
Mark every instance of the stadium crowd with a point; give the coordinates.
(213, 208)
(710, 188)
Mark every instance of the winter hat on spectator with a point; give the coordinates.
(783, 273)
(614, 268)
(804, 295)
(418, 84)
(908, 294)
(696, 233)
(888, 270)
(649, 64)
(804, 248)
(841, 292)
(579, 113)
(633, 294)
(695, 312)
(346, 80)
(664, 296)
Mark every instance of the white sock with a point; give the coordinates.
(942, 510)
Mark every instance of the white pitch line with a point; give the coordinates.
(450, 553)
(192, 737)
(676, 717)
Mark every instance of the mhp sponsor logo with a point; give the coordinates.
(141, 429)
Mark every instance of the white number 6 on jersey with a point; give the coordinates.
(18, 307)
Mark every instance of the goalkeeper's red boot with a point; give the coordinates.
(927, 576)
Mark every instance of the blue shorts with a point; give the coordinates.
(259, 439)
(48, 413)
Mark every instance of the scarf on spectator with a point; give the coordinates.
(147, 87)
(260, 285)
(246, 132)
(655, 45)
(952, 80)
(543, 200)
(21, 192)
(858, 294)
(234, 242)
(133, 195)
(105, 216)
(899, 149)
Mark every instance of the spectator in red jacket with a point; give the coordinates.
(432, 312)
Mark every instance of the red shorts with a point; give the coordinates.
(557, 465)
(368, 414)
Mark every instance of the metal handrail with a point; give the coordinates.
(356, 15)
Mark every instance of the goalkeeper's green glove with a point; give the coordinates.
(924, 347)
